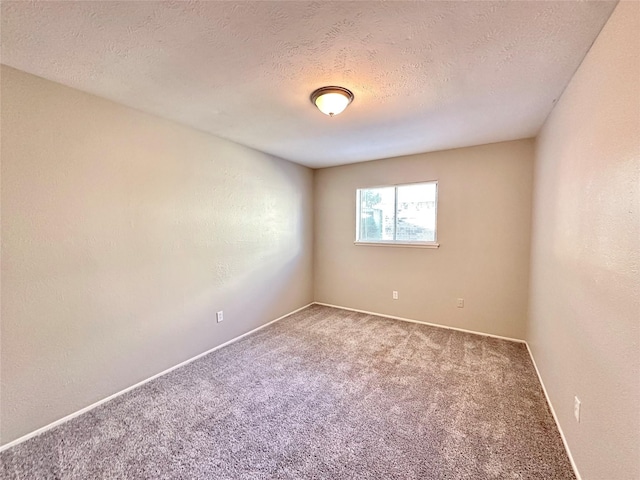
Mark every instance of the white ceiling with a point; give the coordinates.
(426, 75)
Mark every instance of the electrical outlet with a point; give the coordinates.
(395, 295)
(460, 303)
(576, 408)
(219, 316)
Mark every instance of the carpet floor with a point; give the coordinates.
(322, 394)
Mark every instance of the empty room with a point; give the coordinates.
(320, 240)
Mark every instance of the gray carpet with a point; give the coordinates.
(322, 394)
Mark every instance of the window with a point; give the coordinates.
(397, 215)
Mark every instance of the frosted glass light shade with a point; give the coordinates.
(331, 100)
(332, 103)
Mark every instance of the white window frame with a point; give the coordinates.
(396, 243)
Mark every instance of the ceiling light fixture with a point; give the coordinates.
(331, 100)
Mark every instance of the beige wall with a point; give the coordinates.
(484, 214)
(122, 234)
(585, 286)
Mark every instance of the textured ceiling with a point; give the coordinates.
(426, 75)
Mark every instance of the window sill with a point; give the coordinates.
(397, 244)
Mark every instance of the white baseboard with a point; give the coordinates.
(544, 389)
(121, 392)
(555, 417)
(421, 322)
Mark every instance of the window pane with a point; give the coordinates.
(376, 214)
(416, 220)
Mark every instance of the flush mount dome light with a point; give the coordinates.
(331, 100)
